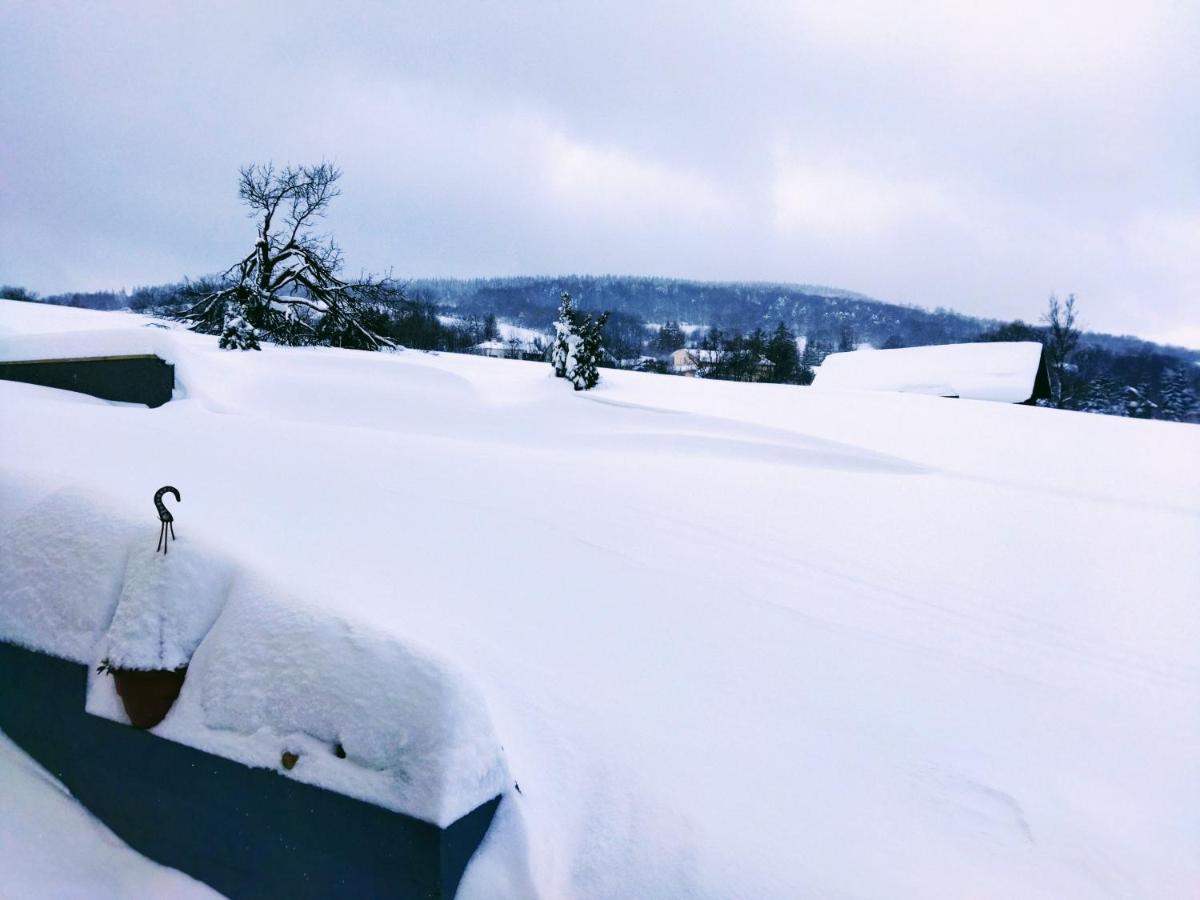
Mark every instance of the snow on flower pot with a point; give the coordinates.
(147, 695)
(166, 607)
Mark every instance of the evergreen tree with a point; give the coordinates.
(847, 339)
(1103, 396)
(587, 351)
(577, 347)
(1179, 401)
(670, 337)
(815, 351)
(237, 333)
(564, 328)
(781, 351)
(491, 328)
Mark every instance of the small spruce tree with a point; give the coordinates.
(236, 332)
(491, 328)
(670, 337)
(577, 348)
(588, 350)
(784, 355)
(564, 327)
(1179, 401)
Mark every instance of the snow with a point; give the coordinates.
(491, 345)
(50, 846)
(511, 332)
(508, 331)
(735, 639)
(63, 564)
(78, 344)
(267, 675)
(167, 605)
(1003, 371)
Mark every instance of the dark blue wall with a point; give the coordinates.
(132, 379)
(246, 832)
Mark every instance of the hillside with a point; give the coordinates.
(1114, 375)
(735, 639)
(820, 313)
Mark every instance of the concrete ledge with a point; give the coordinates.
(246, 832)
(132, 379)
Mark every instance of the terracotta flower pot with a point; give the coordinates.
(148, 695)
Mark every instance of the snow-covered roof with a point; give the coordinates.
(1002, 371)
(131, 341)
(698, 355)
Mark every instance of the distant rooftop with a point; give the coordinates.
(1009, 372)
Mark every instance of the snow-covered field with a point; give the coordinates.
(736, 640)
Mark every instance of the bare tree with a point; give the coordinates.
(1062, 338)
(287, 289)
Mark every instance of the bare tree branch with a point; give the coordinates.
(287, 289)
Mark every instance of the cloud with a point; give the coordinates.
(1073, 45)
(587, 181)
(829, 198)
(1163, 248)
(968, 155)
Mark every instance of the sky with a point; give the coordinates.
(977, 156)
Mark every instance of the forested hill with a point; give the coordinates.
(822, 314)
(816, 312)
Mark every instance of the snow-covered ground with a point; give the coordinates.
(50, 846)
(511, 332)
(735, 640)
(508, 330)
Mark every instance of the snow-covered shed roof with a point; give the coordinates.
(1009, 372)
(94, 344)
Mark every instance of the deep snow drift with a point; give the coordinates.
(736, 640)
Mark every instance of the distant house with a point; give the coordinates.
(687, 360)
(513, 348)
(690, 360)
(1007, 372)
(497, 349)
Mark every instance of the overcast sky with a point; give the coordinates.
(973, 155)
